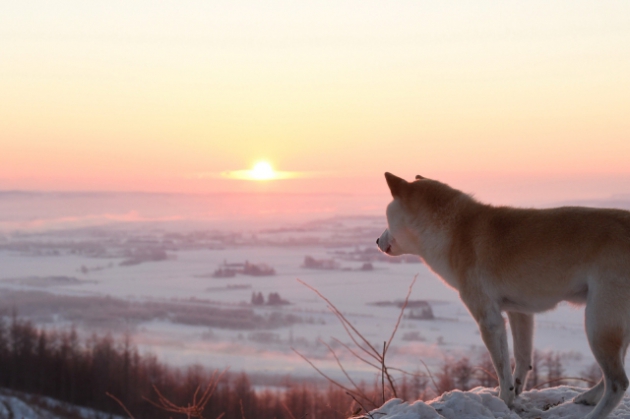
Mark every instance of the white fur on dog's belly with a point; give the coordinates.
(507, 304)
(542, 304)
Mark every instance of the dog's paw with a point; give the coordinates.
(518, 386)
(591, 396)
(508, 395)
(585, 399)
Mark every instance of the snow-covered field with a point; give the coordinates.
(483, 403)
(164, 260)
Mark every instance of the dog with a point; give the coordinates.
(522, 261)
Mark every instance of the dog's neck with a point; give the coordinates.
(437, 231)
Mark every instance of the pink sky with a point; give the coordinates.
(517, 103)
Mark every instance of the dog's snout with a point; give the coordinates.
(376, 241)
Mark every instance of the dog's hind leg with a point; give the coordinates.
(607, 335)
(522, 326)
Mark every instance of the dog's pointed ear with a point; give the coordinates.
(418, 177)
(396, 184)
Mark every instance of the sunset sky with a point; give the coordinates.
(514, 101)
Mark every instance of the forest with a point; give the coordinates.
(102, 373)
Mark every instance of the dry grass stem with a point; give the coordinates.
(242, 410)
(332, 381)
(120, 403)
(402, 311)
(344, 322)
(367, 412)
(430, 375)
(489, 373)
(357, 388)
(194, 409)
(363, 345)
(356, 355)
(287, 409)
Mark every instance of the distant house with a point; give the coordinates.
(327, 264)
(416, 309)
(419, 310)
(274, 299)
(229, 270)
(259, 269)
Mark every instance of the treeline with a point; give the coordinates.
(59, 365)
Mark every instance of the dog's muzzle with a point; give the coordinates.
(384, 242)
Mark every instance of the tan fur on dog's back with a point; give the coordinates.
(503, 241)
(523, 261)
(540, 248)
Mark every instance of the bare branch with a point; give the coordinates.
(355, 354)
(357, 388)
(341, 386)
(340, 316)
(120, 403)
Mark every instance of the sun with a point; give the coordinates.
(262, 171)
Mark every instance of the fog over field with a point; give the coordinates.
(193, 283)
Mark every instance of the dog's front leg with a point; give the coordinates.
(492, 328)
(522, 326)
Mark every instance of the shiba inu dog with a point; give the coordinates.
(522, 261)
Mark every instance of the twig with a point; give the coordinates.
(400, 316)
(287, 409)
(383, 371)
(341, 317)
(487, 372)
(387, 374)
(242, 410)
(355, 354)
(358, 389)
(367, 412)
(370, 350)
(328, 378)
(430, 376)
(192, 410)
(120, 403)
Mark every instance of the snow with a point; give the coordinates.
(14, 404)
(482, 403)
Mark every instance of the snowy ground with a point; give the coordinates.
(483, 403)
(24, 406)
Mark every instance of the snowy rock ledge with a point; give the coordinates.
(482, 403)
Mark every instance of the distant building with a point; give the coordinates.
(259, 269)
(327, 264)
(419, 310)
